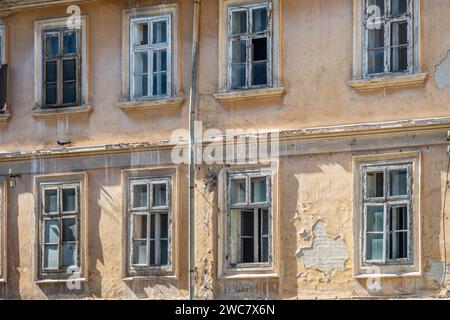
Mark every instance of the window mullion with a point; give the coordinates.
(149, 229)
(157, 238)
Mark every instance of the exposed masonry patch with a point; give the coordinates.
(325, 253)
(442, 74)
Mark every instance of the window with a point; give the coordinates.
(387, 206)
(150, 59)
(59, 217)
(249, 219)
(149, 217)
(389, 37)
(249, 46)
(61, 66)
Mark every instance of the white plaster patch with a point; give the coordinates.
(325, 253)
(442, 74)
(437, 270)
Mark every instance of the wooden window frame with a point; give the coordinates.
(248, 37)
(149, 49)
(388, 202)
(410, 17)
(60, 216)
(248, 206)
(149, 210)
(59, 63)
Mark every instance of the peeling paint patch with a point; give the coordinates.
(437, 270)
(442, 74)
(325, 253)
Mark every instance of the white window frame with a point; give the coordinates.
(248, 206)
(150, 48)
(413, 19)
(248, 37)
(148, 269)
(388, 202)
(39, 27)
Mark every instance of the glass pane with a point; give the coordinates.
(374, 250)
(140, 227)
(69, 198)
(376, 38)
(239, 22)
(265, 222)
(238, 190)
(259, 49)
(52, 45)
(51, 231)
(247, 223)
(376, 61)
(399, 33)
(69, 255)
(140, 252)
(152, 253)
(398, 245)
(50, 71)
(152, 226)
(375, 184)
(69, 92)
(160, 195)
(247, 250)
(238, 74)
(379, 6)
(164, 225)
(375, 219)
(51, 256)
(50, 94)
(70, 42)
(69, 230)
(259, 76)
(260, 20)
(160, 84)
(259, 189)
(69, 70)
(265, 250)
(398, 182)
(141, 34)
(164, 252)
(160, 32)
(51, 201)
(141, 86)
(239, 51)
(399, 59)
(140, 72)
(140, 196)
(160, 60)
(399, 7)
(399, 218)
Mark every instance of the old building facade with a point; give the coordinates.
(332, 117)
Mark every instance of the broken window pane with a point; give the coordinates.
(399, 7)
(259, 49)
(51, 254)
(375, 184)
(51, 201)
(140, 199)
(140, 226)
(141, 34)
(239, 22)
(259, 189)
(159, 32)
(69, 200)
(398, 182)
(259, 20)
(70, 42)
(140, 252)
(69, 230)
(160, 195)
(238, 191)
(52, 45)
(69, 255)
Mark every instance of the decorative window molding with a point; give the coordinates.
(150, 215)
(387, 215)
(162, 58)
(387, 45)
(249, 225)
(45, 32)
(3, 231)
(62, 227)
(249, 35)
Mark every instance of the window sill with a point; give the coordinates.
(149, 278)
(388, 275)
(130, 106)
(4, 117)
(248, 95)
(55, 281)
(389, 82)
(67, 111)
(249, 276)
